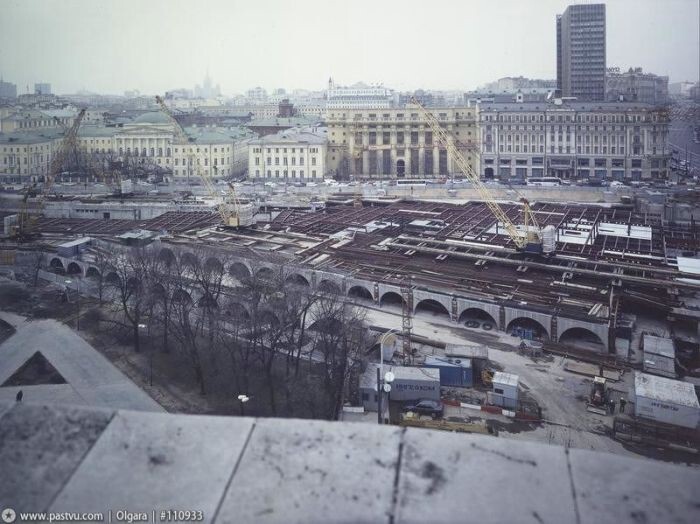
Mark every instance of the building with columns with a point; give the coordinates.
(573, 140)
(150, 138)
(397, 142)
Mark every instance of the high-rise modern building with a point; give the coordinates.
(581, 52)
(7, 89)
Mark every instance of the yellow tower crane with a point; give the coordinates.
(25, 222)
(527, 239)
(232, 212)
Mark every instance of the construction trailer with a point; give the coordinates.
(410, 383)
(659, 356)
(74, 247)
(456, 372)
(478, 354)
(665, 400)
(505, 390)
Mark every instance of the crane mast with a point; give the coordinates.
(531, 240)
(69, 141)
(230, 218)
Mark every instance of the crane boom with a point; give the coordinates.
(230, 218)
(25, 224)
(521, 240)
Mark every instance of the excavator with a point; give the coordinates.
(233, 213)
(528, 238)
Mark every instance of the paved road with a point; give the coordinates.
(91, 379)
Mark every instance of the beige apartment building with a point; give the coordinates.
(397, 142)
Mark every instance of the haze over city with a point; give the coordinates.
(109, 47)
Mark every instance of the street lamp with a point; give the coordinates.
(243, 399)
(77, 281)
(383, 380)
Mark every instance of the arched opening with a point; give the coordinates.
(56, 265)
(207, 301)
(474, 317)
(360, 292)
(328, 286)
(488, 173)
(527, 328)
(158, 291)
(180, 296)
(74, 269)
(582, 338)
(166, 256)
(239, 271)
(326, 325)
(267, 317)
(265, 273)
(237, 311)
(213, 265)
(113, 279)
(92, 272)
(431, 306)
(295, 279)
(390, 298)
(400, 168)
(188, 260)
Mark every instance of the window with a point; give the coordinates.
(498, 391)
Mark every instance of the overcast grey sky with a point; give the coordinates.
(108, 46)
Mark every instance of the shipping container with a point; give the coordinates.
(665, 400)
(453, 371)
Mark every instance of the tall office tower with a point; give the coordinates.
(581, 52)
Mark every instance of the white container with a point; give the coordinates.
(549, 239)
(665, 400)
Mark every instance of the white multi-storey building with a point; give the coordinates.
(573, 140)
(358, 96)
(150, 138)
(294, 154)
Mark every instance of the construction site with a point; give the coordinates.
(583, 281)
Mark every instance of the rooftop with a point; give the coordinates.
(665, 390)
(507, 379)
(237, 469)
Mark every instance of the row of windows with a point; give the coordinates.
(285, 161)
(286, 173)
(567, 118)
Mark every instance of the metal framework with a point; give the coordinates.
(532, 232)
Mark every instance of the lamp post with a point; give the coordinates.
(77, 281)
(383, 380)
(243, 399)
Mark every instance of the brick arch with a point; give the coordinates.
(579, 332)
(166, 255)
(74, 269)
(391, 297)
(527, 323)
(360, 291)
(431, 305)
(265, 273)
(328, 286)
(57, 264)
(239, 270)
(297, 279)
(478, 314)
(93, 272)
(236, 310)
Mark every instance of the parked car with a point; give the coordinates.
(432, 408)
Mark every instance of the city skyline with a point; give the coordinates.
(298, 47)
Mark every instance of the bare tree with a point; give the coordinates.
(37, 262)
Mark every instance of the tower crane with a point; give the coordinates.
(25, 223)
(232, 212)
(530, 238)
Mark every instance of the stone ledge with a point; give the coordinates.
(237, 469)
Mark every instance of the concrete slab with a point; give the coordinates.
(437, 482)
(40, 448)
(300, 471)
(620, 489)
(6, 406)
(92, 378)
(64, 394)
(147, 461)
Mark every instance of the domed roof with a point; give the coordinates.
(152, 117)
